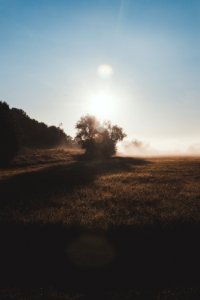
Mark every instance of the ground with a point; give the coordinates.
(111, 226)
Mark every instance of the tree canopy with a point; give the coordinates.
(98, 140)
(8, 137)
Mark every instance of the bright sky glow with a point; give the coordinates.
(135, 62)
(102, 105)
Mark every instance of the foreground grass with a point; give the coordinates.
(98, 229)
(136, 294)
(120, 191)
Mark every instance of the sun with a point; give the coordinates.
(102, 105)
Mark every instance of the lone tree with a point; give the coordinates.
(98, 140)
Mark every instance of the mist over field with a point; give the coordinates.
(143, 148)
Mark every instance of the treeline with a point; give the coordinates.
(18, 130)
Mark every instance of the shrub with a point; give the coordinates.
(98, 140)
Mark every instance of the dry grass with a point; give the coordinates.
(136, 294)
(29, 160)
(87, 225)
(121, 191)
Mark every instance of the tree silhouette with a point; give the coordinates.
(18, 130)
(8, 136)
(98, 140)
(34, 134)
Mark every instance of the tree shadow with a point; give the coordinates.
(73, 257)
(34, 189)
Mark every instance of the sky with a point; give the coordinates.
(51, 52)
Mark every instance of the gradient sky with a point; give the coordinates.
(50, 51)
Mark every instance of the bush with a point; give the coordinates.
(98, 140)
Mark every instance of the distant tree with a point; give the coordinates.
(8, 136)
(98, 140)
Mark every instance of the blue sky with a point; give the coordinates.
(50, 52)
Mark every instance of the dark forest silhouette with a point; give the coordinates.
(18, 130)
(9, 144)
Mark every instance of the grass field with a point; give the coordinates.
(93, 226)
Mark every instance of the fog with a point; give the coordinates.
(145, 148)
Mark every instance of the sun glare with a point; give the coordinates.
(101, 102)
(102, 105)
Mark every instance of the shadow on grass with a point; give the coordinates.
(81, 260)
(34, 189)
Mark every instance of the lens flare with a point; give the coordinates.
(90, 251)
(105, 71)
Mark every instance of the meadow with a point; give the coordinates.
(91, 227)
